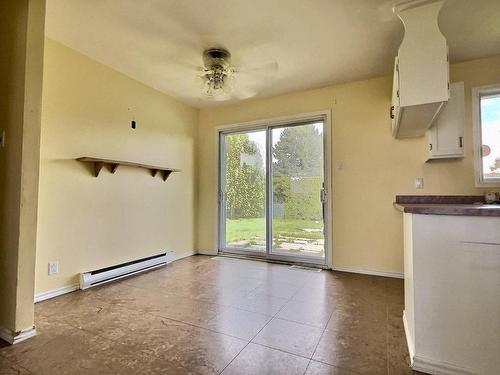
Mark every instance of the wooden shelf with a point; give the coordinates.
(114, 164)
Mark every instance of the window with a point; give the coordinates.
(487, 135)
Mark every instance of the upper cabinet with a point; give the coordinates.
(446, 135)
(421, 70)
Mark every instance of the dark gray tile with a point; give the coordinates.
(354, 349)
(196, 315)
(290, 337)
(10, 368)
(259, 360)
(318, 368)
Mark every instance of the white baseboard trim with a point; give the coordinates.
(71, 288)
(56, 292)
(431, 366)
(173, 258)
(208, 252)
(16, 337)
(364, 271)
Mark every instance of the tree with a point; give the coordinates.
(245, 179)
(298, 172)
(298, 152)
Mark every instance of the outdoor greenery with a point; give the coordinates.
(297, 181)
(298, 152)
(297, 173)
(245, 179)
(255, 229)
(297, 198)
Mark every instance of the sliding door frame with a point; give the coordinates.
(268, 125)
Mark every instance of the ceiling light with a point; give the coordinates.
(217, 73)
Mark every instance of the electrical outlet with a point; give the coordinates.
(53, 267)
(419, 183)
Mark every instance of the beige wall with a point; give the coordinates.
(367, 230)
(21, 61)
(85, 222)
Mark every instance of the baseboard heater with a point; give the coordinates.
(105, 275)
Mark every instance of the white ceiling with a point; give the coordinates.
(314, 42)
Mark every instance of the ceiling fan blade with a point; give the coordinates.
(187, 85)
(265, 68)
(178, 64)
(242, 95)
(242, 92)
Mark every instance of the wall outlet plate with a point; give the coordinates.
(53, 267)
(419, 183)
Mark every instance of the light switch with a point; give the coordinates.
(419, 183)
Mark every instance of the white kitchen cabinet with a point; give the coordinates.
(452, 284)
(421, 74)
(446, 136)
(395, 108)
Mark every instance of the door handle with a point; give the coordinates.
(322, 196)
(221, 196)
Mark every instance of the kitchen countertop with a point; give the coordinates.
(457, 205)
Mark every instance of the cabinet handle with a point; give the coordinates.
(461, 142)
(392, 112)
(430, 146)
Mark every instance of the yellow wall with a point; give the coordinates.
(85, 222)
(367, 230)
(21, 61)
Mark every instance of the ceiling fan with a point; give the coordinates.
(217, 78)
(223, 81)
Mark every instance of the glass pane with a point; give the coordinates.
(490, 135)
(297, 179)
(246, 190)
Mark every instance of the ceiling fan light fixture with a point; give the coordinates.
(217, 74)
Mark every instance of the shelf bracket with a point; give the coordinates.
(114, 167)
(97, 167)
(154, 172)
(165, 174)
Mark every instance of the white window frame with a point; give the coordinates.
(477, 93)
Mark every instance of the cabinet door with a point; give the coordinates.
(394, 112)
(446, 136)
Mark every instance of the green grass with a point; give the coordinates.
(250, 229)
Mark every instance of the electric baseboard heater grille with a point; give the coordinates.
(108, 274)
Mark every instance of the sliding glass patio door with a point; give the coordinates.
(243, 191)
(272, 196)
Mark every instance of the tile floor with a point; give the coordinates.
(202, 315)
